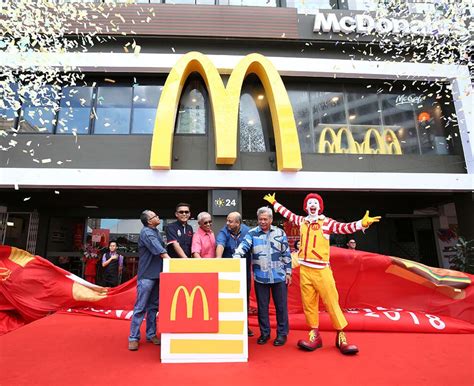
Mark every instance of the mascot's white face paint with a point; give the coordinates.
(312, 207)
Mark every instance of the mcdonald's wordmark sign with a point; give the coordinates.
(189, 302)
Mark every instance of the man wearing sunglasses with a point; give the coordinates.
(204, 241)
(179, 234)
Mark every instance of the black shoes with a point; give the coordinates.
(263, 339)
(280, 340)
(250, 332)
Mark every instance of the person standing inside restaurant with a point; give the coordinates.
(228, 239)
(112, 265)
(204, 241)
(271, 263)
(351, 244)
(151, 252)
(179, 235)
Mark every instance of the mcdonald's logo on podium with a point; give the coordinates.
(189, 302)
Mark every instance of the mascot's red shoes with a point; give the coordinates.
(315, 341)
(343, 346)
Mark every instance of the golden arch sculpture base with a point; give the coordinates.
(225, 110)
(230, 343)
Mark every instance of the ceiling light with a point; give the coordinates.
(91, 206)
(334, 99)
(353, 116)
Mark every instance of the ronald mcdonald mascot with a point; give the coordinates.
(316, 276)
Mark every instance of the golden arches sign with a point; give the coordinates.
(225, 106)
(387, 142)
(189, 299)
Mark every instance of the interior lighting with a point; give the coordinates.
(260, 97)
(352, 117)
(334, 99)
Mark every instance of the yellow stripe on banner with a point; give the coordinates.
(231, 327)
(20, 257)
(203, 346)
(231, 305)
(229, 286)
(204, 265)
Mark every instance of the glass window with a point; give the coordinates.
(180, 1)
(255, 127)
(38, 114)
(328, 115)
(206, 2)
(258, 3)
(9, 106)
(426, 6)
(75, 110)
(431, 131)
(145, 104)
(360, 5)
(398, 116)
(193, 107)
(364, 117)
(309, 7)
(113, 110)
(363, 109)
(301, 110)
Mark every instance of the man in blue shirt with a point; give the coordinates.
(229, 239)
(151, 252)
(271, 264)
(179, 235)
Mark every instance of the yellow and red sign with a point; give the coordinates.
(189, 302)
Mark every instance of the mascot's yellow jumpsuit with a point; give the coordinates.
(316, 278)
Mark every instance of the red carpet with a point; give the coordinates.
(64, 349)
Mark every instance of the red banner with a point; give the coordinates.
(377, 293)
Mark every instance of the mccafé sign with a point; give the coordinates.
(331, 141)
(367, 24)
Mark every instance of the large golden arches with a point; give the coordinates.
(224, 103)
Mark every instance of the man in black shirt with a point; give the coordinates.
(179, 234)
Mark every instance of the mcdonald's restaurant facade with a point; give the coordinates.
(225, 104)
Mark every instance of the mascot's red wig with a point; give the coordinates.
(317, 197)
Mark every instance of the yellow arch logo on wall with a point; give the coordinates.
(387, 142)
(225, 107)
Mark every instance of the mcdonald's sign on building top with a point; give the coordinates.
(225, 110)
(203, 310)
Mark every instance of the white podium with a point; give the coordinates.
(198, 296)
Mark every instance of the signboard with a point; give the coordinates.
(191, 301)
(201, 295)
(225, 201)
